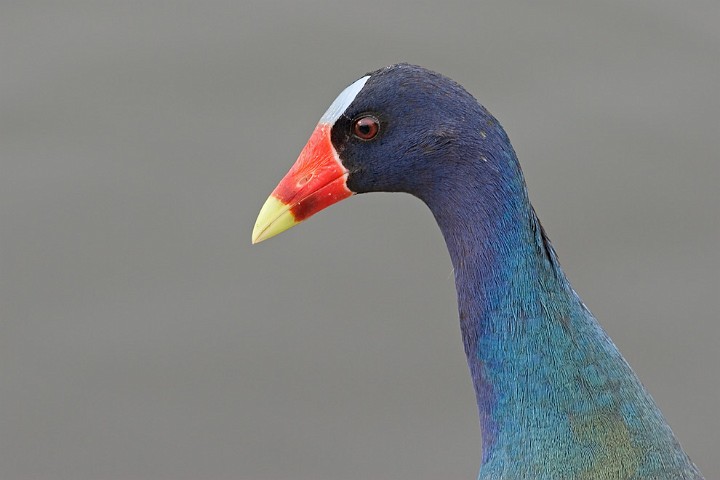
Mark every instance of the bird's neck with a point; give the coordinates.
(548, 380)
(508, 284)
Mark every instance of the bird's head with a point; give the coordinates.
(402, 128)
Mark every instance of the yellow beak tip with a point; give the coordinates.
(274, 218)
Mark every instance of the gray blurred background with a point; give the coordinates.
(142, 337)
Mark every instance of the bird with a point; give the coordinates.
(556, 399)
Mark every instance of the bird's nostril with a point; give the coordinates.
(305, 180)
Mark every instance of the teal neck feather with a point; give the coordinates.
(556, 399)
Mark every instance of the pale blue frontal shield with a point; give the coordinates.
(343, 101)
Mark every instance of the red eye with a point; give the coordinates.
(365, 128)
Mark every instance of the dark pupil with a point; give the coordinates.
(364, 127)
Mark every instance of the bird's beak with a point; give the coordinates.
(316, 181)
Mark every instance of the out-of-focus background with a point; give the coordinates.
(142, 337)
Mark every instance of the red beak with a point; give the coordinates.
(316, 181)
